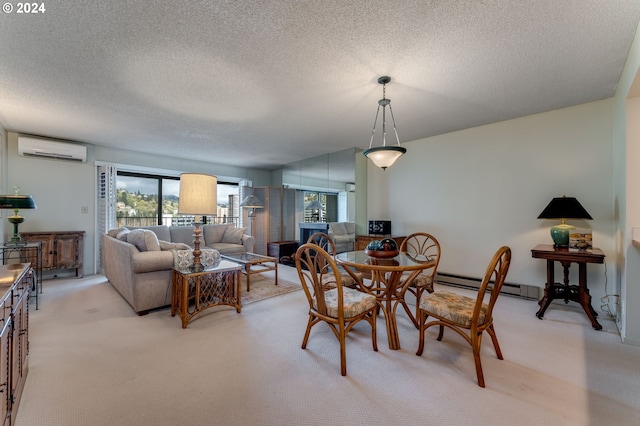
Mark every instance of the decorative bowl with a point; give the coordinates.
(381, 253)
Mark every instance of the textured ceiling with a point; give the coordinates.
(264, 83)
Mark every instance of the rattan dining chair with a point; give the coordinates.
(467, 316)
(424, 247)
(338, 306)
(326, 242)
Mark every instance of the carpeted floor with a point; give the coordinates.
(93, 361)
(263, 287)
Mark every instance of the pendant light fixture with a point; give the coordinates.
(384, 156)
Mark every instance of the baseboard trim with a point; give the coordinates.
(517, 290)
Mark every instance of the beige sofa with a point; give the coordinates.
(138, 261)
(344, 235)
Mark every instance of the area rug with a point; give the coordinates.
(263, 287)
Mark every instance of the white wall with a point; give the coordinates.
(60, 189)
(630, 289)
(626, 196)
(481, 188)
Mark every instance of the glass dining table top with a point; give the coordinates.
(403, 261)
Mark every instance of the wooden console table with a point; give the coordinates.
(575, 293)
(60, 249)
(26, 253)
(194, 292)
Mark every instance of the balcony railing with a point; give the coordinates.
(137, 221)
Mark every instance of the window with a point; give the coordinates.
(147, 200)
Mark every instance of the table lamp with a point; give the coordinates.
(563, 208)
(16, 203)
(198, 197)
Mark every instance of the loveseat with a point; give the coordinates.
(138, 261)
(344, 235)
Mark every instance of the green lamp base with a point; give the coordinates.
(560, 235)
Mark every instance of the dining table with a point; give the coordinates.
(386, 274)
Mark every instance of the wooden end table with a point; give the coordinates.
(194, 292)
(575, 293)
(259, 262)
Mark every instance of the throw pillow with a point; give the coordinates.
(233, 235)
(113, 232)
(144, 240)
(182, 234)
(121, 233)
(213, 233)
(166, 246)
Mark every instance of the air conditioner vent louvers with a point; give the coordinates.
(45, 148)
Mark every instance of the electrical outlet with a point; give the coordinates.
(84, 210)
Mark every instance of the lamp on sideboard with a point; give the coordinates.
(198, 197)
(16, 203)
(563, 208)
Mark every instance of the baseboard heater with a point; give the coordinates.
(517, 290)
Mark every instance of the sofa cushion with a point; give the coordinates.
(214, 233)
(182, 234)
(114, 232)
(338, 228)
(166, 245)
(228, 248)
(121, 233)
(151, 261)
(144, 240)
(350, 227)
(233, 235)
(341, 238)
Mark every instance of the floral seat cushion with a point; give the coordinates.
(355, 302)
(452, 306)
(421, 280)
(347, 280)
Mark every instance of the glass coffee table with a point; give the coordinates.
(253, 264)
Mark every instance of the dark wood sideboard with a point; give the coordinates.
(282, 249)
(60, 249)
(363, 240)
(16, 280)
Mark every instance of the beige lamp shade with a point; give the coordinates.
(198, 194)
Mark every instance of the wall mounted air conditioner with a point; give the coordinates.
(45, 148)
